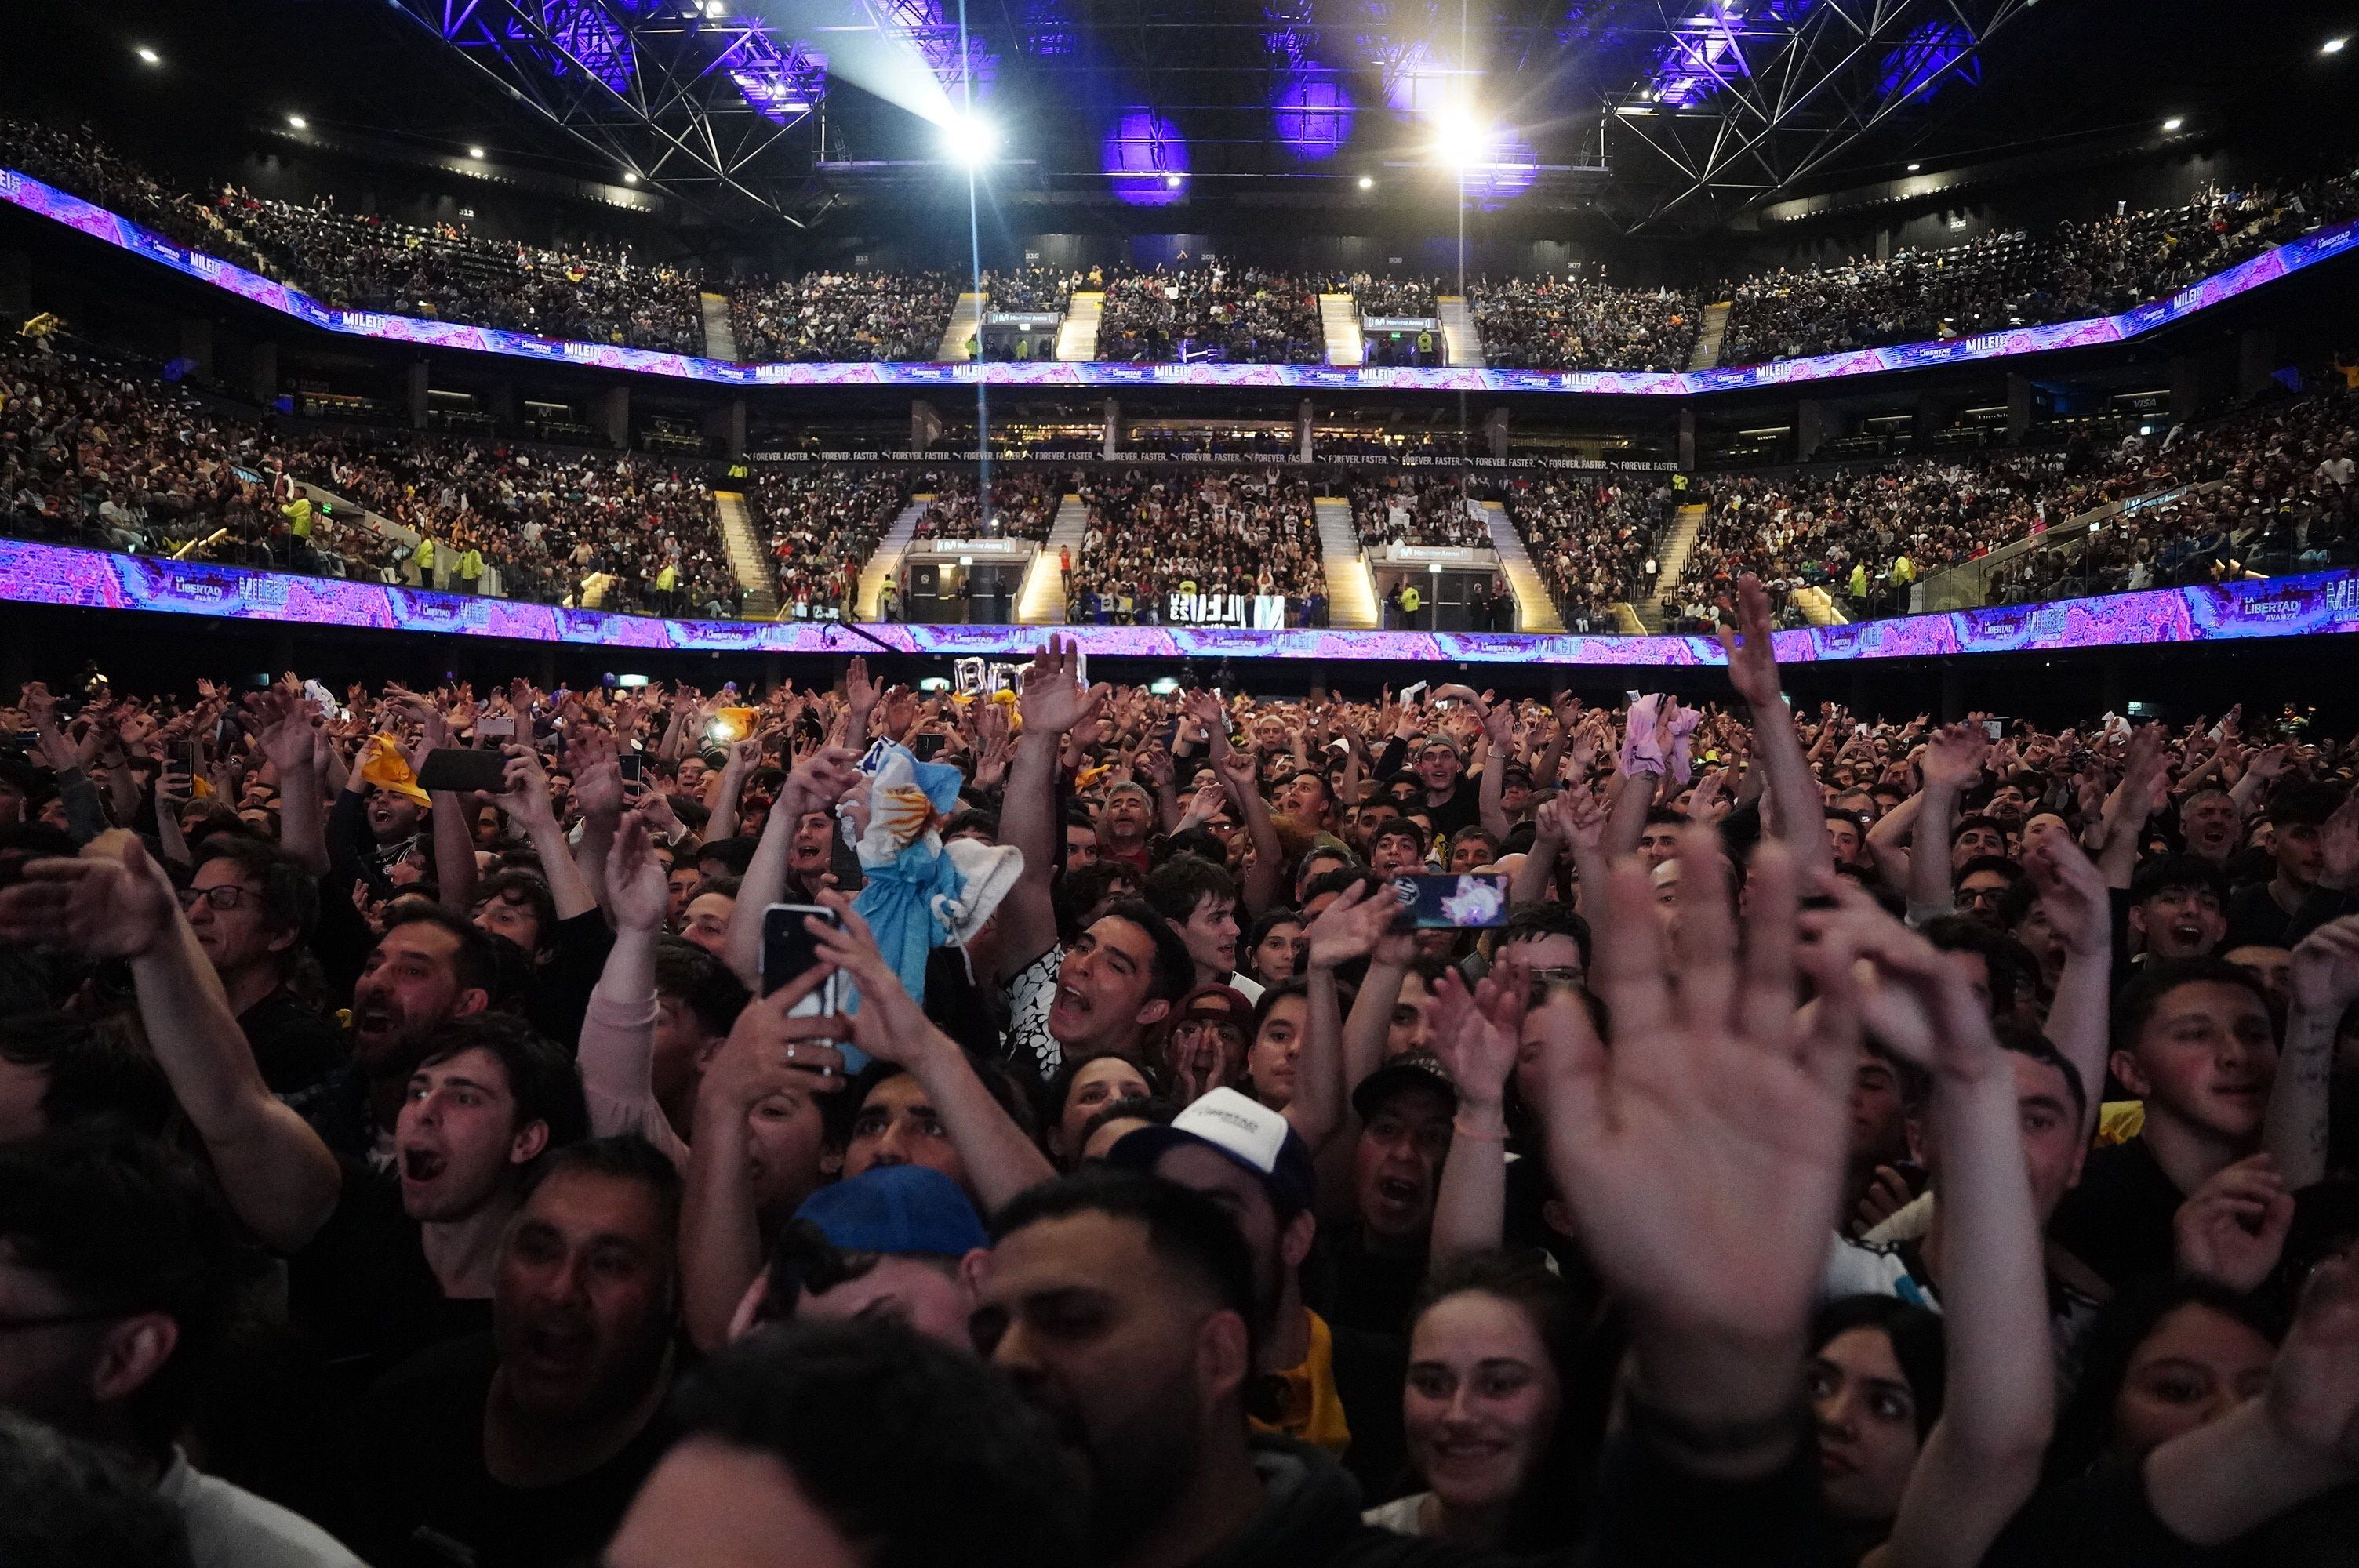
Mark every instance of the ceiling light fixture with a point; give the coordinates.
(151, 55)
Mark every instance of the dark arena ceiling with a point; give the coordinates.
(1631, 115)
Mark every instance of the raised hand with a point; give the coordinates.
(525, 795)
(858, 689)
(1703, 1152)
(636, 893)
(1912, 997)
(2073, 892)
(285, 730)
(2338, 844)
(111, 901)
(1352, 928)
(1953, 758)
(2232, 1230)
(890, 1025)
(2313, 1393)
(768, 1052)
(819, 781)
(2325, 969)
(592, 758)
(1052, 700)
(1751, 662)
(1477, 1033)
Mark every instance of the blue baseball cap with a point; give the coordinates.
(897, 1209)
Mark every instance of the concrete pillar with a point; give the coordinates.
(1810, 428)
(2186, 387)
(1302, 430)
(2018, 408)
(2256, 356)
(197, 343)
(1112, 427)
(925, 426)
(1495, 431)
(15, 288)
(417, 394)
(614, 415)
(261, 373)
(1687, 441)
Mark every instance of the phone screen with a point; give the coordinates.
(633, 767)
(1993, 727)
(457, 768)
(1471, 901)
(927, 747)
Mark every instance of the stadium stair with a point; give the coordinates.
(1042, 601)
(966, 323)
(884, 563)
(1339, 321)
(1670, 559)
(720, 337)
(1077, 335)
(1351, 586)
(747, 559)
(1715, 334)
(1818, 607)
(1535, 612)
(1460, 338)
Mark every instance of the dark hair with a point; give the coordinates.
(1282, 916)
(93, 1073)
(1130, 1106)
(1061, 1086)
(290, 894)
(477, 962)
(2178, 873)
(699, 982)
(1344, 879)
(1538, 917)
(2135, 1003)
(1474, 830)
(903, 1443)
(972, 821)
(543, 1082)
(529, 889)
(69, 1504)
(1190, 843)
(621, 1157)
(1402, 826)
(123, 1225)
(2304, 803)
(1173, 972)
(1916, 1337)
(1180, 886)
(2010, 964)
(1267, 1003)
(1967, 824)
(2004, 865)
(1546, 1516)
(1186, 1229)
(1665, 817)
(2084, 1426)
(2027, 1042)
(733, 855)
(727, 887)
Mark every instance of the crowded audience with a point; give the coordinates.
(1804, 1136)
(1419, 511)
(1240, 537)
(1024, 504)
(842, 315)
(1591, 539)
(1583, 323)
(822, 525)
(1210, 311)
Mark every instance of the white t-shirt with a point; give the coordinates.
(229, 1527)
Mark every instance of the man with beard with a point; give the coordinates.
(407, 1261)
(429, 967)
(1339, 1390)
(525, 1444)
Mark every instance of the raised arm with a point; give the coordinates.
(618, 1032)
(1001, 1159)
(1776, 747)
(816, 786)
(1952, 760)
(1498, 722)
(113, 901)
(1982, 1458)
(1051, 703)
(527, 802)
(1345, 930)
(2079, 1019)
(287, 739)
(1476, 1035)
(1261, 880)
(2324, 982)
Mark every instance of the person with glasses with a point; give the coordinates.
(253, 907)
(1981, 887)
(116, 1298)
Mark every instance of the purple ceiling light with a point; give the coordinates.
(589, 39)
(1147, 159)
(779, 81)
(1312, 111)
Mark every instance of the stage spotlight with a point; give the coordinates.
(2173, 123)
(1462, 142)
(1367, 182)
(475, 152)
(1915, 166)
(298, 121)
(2333, 46)
(970, 140)
(630, 177)
(1173, 181)
(149, 55)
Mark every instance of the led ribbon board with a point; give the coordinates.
(33, 196)
(99, 579)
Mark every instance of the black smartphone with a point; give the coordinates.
(184, 758)
(460, 769)
(1471, 901)
(928, 745)
(633, 766)
(789, 951)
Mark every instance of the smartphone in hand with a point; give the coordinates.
(788, 952)
(1470, 900)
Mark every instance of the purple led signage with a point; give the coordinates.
(2320, 603)
(1147, 159)
(31, 195)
